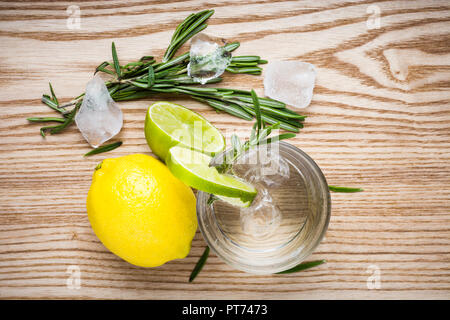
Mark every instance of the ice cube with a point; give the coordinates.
(262, 164)
(99, 118)
(208, 60)
(291, 82)
(262, 217)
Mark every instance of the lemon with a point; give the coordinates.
(168, 124)
(140, 211)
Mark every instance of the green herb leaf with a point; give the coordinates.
(105, 148)
(303, 266)
(267, 131)
(344, 189)
(50, 103)
(102, 67)
(151, 77)
(279, 137)
(253, 133)
(116, 61)
(211, 199)
(201, 262)
(190, 26)
(236, 143)
(257, 112)
(53, 94)
(47, 119)
(245, 59)
(70, 118)
(230, 47)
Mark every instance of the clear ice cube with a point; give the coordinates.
(99, 118)
(208, 60)
(262, 217)
(291, 82)
(262, 164)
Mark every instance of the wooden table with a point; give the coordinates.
(379, 119)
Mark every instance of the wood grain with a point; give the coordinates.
(379, 119)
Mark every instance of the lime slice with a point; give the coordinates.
(235, 201)
(168, 124)
(192, 167)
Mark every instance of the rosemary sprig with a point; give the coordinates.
(67, 121)
(146, 77)
(344, 189)
(199, 265)
(303, 266)
(52, 101)
(192, 25)
(53, 94)
(259, 135)
(116, 61)
(104, 148)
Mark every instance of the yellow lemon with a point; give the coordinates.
(140, 211)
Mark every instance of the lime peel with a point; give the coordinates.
(168, 124)
(192, 167)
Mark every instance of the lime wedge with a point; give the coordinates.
(236, 202)
(192, 167)
(168, 124)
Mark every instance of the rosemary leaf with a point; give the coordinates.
(279, 137)
(344, 189)
(113, 89)
(182, 26)
(104, 148)
(172, 62)
(230, 108)
(253, 70)
(50, 103)
(267, 131)
(192, 33)
(246, 97)
(53, 94)
(186, 30)
(303, 266)
(230, 47)
(146, 59)
(151, 76)
(257, 112)
(245, 59)
(253, 132)
(236, 143)
(102, 67)
(68, 121)
(284, 124)
(198, 267)
(43, 129)
(46, 119)
(243, 64)
(116, 60)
